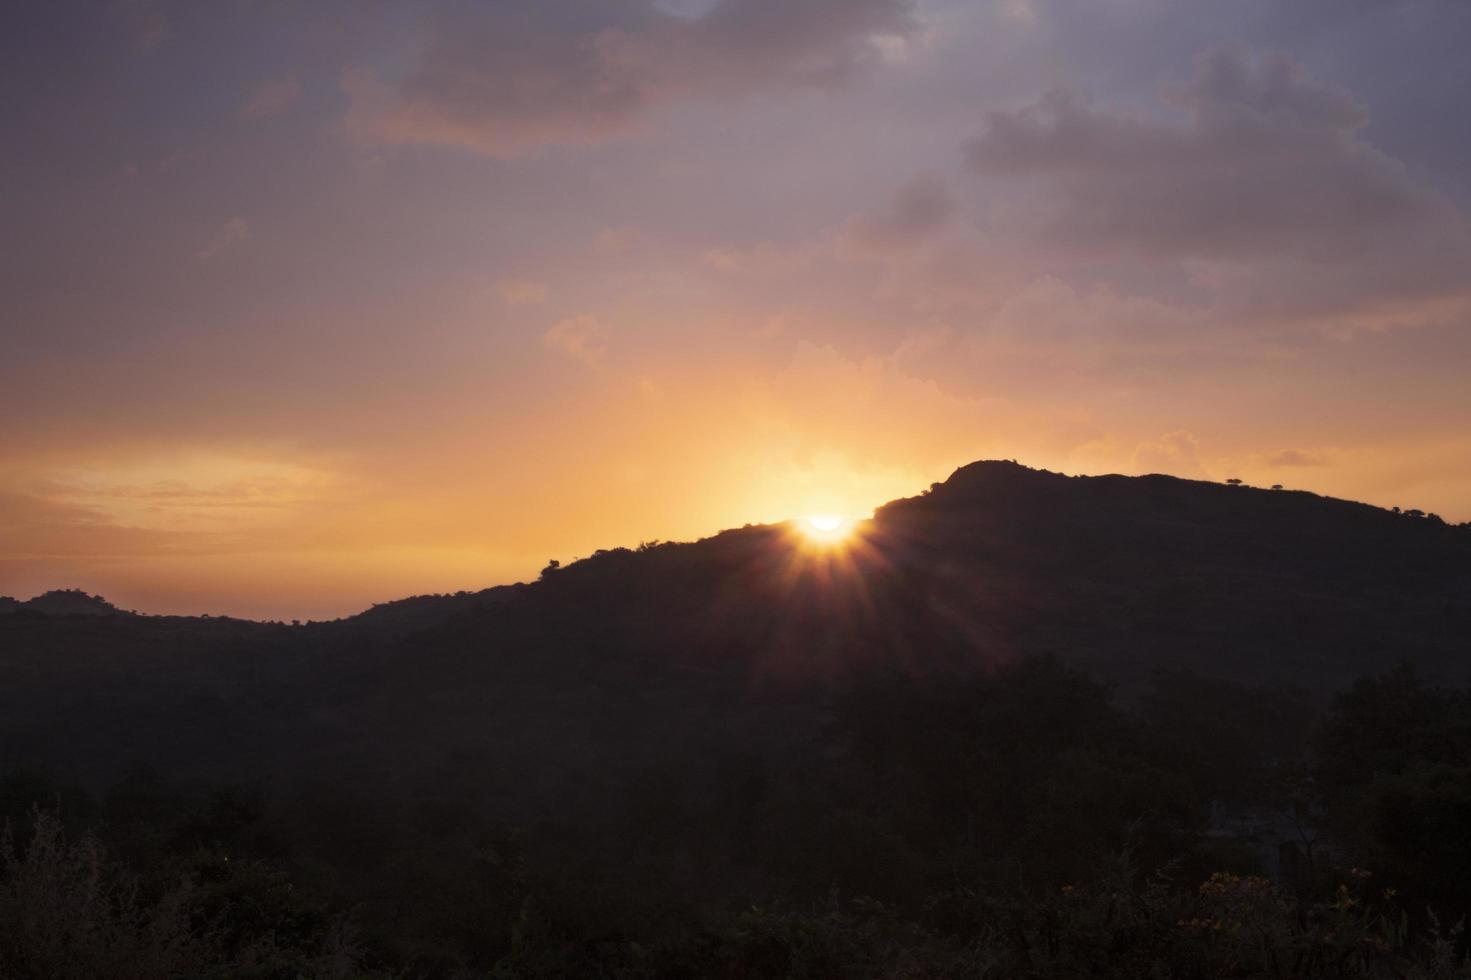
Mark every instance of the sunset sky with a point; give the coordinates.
(307, 305)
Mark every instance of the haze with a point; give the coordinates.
(306, 306)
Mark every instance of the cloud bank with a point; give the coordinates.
(1261, 183)
(505, 78)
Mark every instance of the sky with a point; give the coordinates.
(310, 305)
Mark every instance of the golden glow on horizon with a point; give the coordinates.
(621, 356)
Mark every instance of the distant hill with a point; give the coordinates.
(62, 602)
(737, 636)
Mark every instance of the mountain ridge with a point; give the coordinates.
(740, 639)
(978, 484)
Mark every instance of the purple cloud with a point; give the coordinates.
(1265, 184)
(505, 78)
(918, 210)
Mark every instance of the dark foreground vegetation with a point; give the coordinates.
(1016, 824)
(1031, 726)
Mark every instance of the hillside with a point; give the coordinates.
(991, 686)
(61, 602)
(1121, 575)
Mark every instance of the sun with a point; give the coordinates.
(825, 528)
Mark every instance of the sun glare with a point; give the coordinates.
(825, 527)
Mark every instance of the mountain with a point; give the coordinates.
(994, 682)
(1122, 575)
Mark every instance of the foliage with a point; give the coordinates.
(68, 910)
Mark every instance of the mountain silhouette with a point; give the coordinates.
(61, 602)
(1121, 575)
(969, 703)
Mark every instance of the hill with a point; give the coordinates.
(1121, 575)
(61, 602)
(1015, 670)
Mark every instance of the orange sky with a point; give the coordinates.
(311, 307)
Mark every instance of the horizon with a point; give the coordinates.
(310, 306)
(821, 530)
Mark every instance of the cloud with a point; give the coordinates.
(885, 407)
(520, 292)
(1295, 457)
(1267, 160)
(149, 22)
(614, 241)
(505, 78)
(271, 97)
(1175, 453)
(33, 526)
(1048, 309)
(916, 213)
(175, 504)
(235, 230)
(1020, 12)
(1265, 192)
(583, 338)
(769, 258)
(918, 210)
